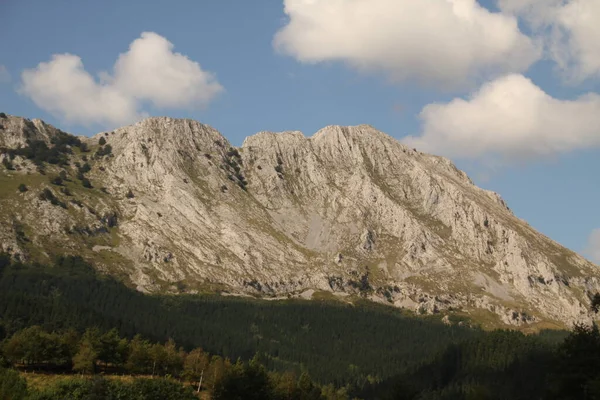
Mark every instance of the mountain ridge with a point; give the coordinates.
(348, 211)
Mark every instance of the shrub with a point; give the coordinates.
(85, 168)
(66, 191)
(104, 151)
(595, 303)
(163, 389)
(279, 169)
(47, 195)
(23, 188)
(102, 141)
(12, 386)
(233, 153)
(57, 180)
(129, 194)
(63, 175)
(2, 115)
(7, 163)
(86, 183)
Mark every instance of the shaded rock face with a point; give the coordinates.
(349, 210)
(15, 131)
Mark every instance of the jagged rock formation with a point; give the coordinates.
(350, 211)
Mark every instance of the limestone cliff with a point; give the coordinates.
(350, 211)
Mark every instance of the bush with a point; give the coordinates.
(104, 151)
(47, 195)
(23, 188)
(12, 386)
(233, 153)
(85, 168)
(7, 163)
(2, 115)
(57, 180)
(86, 183)
(100, 388)
(162, 389)
(102, 141)
(129, 194)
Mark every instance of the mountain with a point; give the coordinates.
(169, 205)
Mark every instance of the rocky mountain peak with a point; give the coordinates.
(15, 131)
(350, 212)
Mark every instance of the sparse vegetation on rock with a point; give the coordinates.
(48, 195)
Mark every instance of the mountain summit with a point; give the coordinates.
(170, 205)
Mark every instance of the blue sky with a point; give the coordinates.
(328, 66)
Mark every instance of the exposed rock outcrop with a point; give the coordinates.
(349, 210)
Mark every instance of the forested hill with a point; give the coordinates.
(67, 316)
(334, 342)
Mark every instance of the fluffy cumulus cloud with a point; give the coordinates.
(509, 119)
(64, 88)
(593, 249)
(570, 29)
(444, 42)
(148, 72)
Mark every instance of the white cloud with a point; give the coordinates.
(63, 88)
(593, 248)
(571, 32)
(4, 74)
(575, 44)
(149, 71)
(509, 119)
(444, 41)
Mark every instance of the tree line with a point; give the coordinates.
(107, 353)
(364, 351)
(333, 342)
(503, 365)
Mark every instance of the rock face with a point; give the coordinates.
(349, 210)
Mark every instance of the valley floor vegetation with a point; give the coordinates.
(70, 332)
